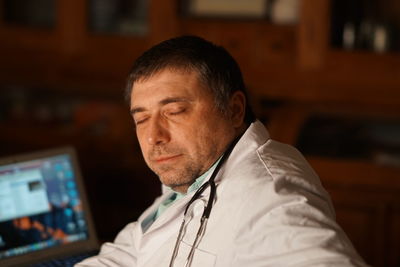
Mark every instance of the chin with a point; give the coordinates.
(174, 184)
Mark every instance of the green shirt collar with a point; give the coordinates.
(176, 196)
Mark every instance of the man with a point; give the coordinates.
(267, 206)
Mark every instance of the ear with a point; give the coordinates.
(237, 106)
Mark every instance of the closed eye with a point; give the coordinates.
(176, 112)
(139, 119)
(173, 109)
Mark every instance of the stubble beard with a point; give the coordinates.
(180, 176)
(177, 178)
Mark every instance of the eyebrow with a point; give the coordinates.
(163, 102)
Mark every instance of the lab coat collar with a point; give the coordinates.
(255, 136)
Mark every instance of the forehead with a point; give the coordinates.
(168, 83)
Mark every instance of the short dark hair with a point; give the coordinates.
(216, 68)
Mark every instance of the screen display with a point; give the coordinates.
(40, 206)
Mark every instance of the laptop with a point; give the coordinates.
(44, 213)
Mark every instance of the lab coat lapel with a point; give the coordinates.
(164, 230)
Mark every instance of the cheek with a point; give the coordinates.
(142, 144)
(201, 140)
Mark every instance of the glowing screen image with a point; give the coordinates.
(22, 194)
(40, 206)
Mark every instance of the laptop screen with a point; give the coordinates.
(40, 206)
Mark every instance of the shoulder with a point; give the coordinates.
(257, 157)
(271, 172)
(285, 162)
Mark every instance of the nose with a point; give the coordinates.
(157, 132)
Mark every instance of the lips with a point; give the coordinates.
(165, 159)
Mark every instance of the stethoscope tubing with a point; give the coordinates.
(207, 211)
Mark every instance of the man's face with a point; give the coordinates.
(180, 131)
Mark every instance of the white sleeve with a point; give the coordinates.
(122, 252)
(286, 217)
(294, 233)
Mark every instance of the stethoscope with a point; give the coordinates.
(207, 210)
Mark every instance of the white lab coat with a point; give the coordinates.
(270, 210)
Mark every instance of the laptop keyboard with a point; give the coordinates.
(65, 262)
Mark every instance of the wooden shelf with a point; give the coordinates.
(361, 174)
(288, 64)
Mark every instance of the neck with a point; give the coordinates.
(181, 188)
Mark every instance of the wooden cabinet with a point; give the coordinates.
(279, 61)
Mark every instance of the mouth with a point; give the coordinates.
(165, 159)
